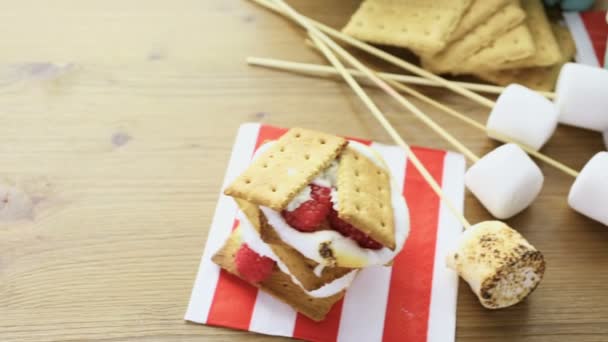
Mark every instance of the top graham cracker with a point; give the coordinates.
(281, 172)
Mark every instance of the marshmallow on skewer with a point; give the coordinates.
(499, 264)
(505, 181)
(582, 96)
(589, 193)
(523, 115)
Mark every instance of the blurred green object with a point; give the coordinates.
(571, 5)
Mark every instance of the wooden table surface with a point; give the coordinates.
(117, 120)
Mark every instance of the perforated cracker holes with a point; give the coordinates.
(286, 167)
(364, 197)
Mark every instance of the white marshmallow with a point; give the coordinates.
(505, 181)
(589, 193)
(582, 96)
(501, 266)
(523, 115)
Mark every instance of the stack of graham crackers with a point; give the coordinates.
(501, 41)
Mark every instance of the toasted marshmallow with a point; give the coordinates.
(499, 264)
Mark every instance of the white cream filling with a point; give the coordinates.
(300, 198)
(253, 240)
(308, 243)
(326, 178)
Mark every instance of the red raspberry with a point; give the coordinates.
(348, 230)
(251, 266)
(312, 213)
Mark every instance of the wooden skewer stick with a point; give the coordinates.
(323, 41)
(384, 55)
(326, 71)
(450, 111)
(427, 121)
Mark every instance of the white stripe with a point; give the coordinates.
(442, 312)
(208, 272)
(365, 302)
(585, 53)
(272, 317)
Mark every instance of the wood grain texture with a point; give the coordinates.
(124, 150)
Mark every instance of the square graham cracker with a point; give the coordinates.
(282, 171)
(478, 12)
(279, 284)
(513, 45)
(422, 26)
(301, 267)
(509, 51)
(547, 48)
(457, 51)
(364, 197)
(539, 78)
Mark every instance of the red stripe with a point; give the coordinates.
(597, 29)
(268, 133)
(233, 302)
(324, 331)
(234, 299)
(407, 311)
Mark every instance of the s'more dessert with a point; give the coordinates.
(314, 210)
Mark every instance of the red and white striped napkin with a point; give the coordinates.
(590, 32)
(414, 300)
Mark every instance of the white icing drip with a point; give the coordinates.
(300, 198)
(327, 177)
(253, 240)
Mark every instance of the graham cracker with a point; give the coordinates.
(539, 78)
(252, 212)
(457, 51)
(364, 197)
(498, 56)
(514, 45)
(279, 284)
(301, 267)
(547, 49)
(282, 171)
(420, 25)
(478, 13)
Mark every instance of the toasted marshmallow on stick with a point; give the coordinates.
(499, 264)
